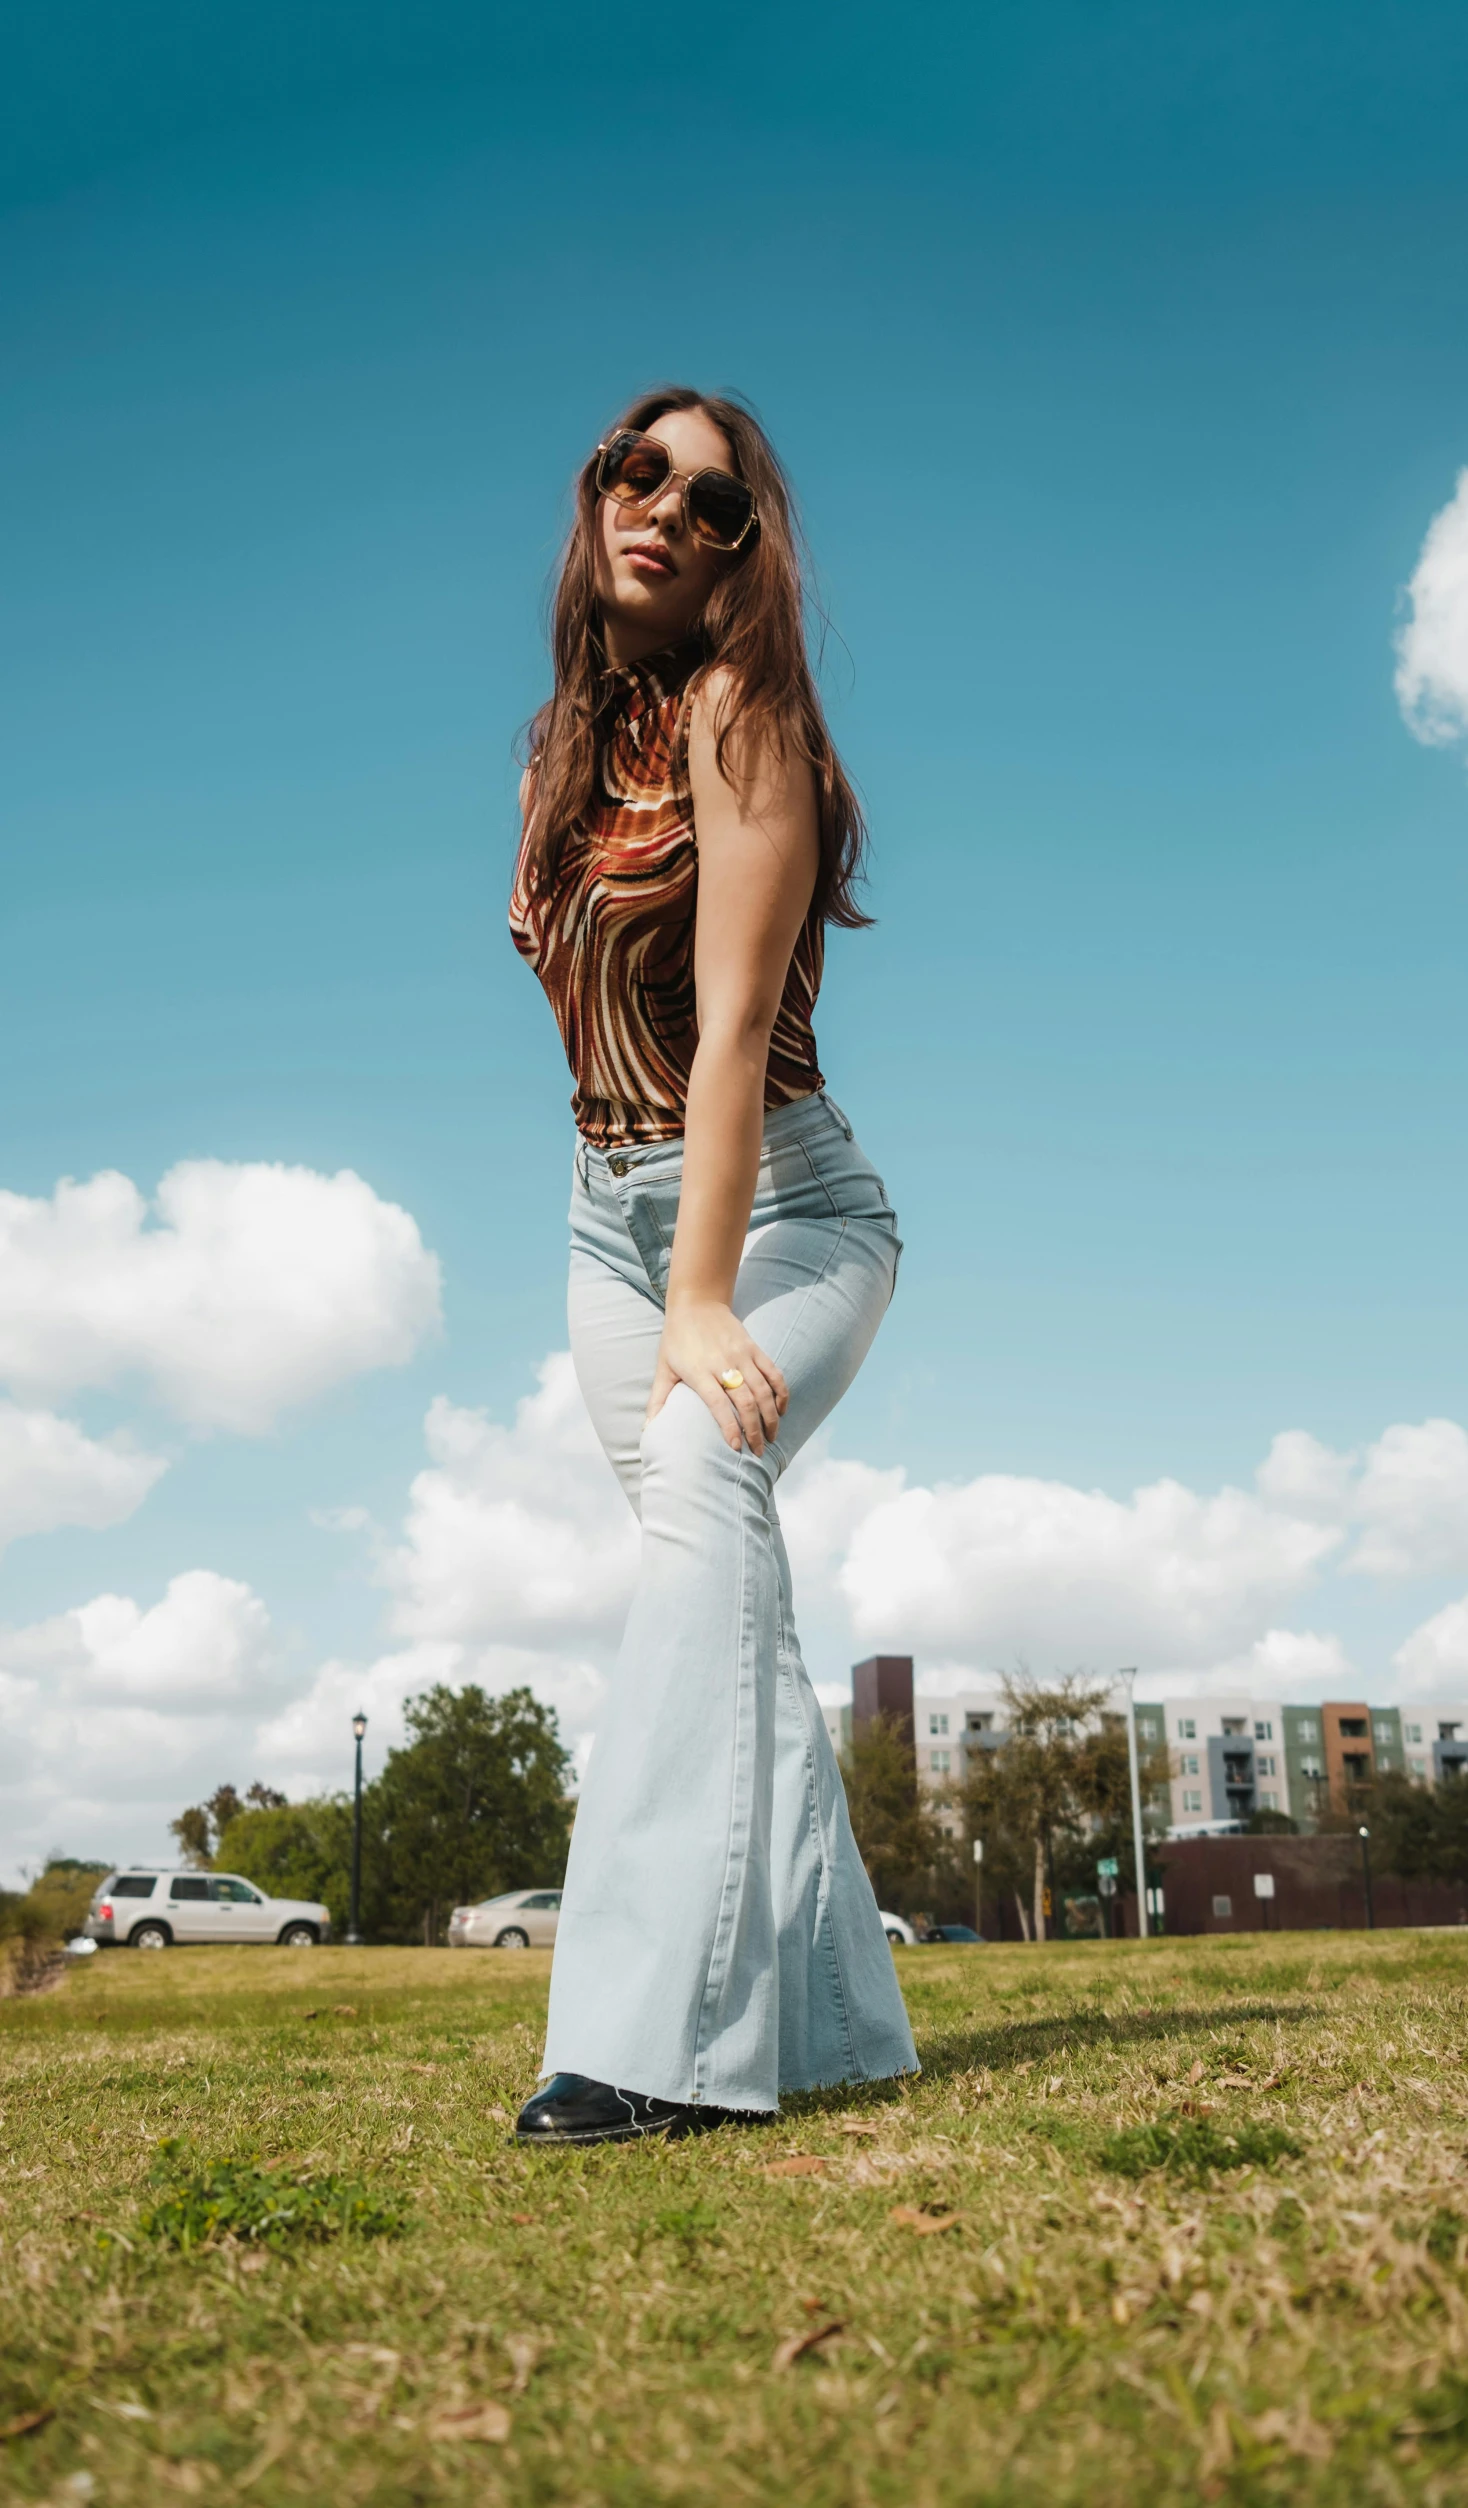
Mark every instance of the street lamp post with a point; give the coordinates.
(978, 1885)
(1365, 1836)
(1139, 1846)
(354, 1920)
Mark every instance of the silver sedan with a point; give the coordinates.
(516, 1921)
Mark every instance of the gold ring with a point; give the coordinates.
(731, 1380)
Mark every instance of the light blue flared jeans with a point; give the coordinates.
(719, 1941)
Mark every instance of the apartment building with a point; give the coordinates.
(1228, 1758)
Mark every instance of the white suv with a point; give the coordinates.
(149, 1910)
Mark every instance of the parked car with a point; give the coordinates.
(952, 1933)
(515, 1921)
(896, 1928)
(148, 1910)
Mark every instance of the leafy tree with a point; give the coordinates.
(1418, 1832)
(1054, 1794)
(903, 1844)
(474, 1803)
(200, 1828)
(294, 1850)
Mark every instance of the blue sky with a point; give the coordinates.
(1120, 356)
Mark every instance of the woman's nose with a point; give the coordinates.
(668, 507)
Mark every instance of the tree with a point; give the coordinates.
(200, 1828)
(294, 1850)
(1054, 1794)
(474, 1803)
(902, 1843)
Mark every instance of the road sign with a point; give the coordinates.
(1108, 1868)
(1264, 1885)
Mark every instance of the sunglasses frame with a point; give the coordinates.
(640, 435)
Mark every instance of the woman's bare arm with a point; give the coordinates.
(758, 852)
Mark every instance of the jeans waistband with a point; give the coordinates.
(806, 1115)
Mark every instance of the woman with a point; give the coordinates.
(688, 831)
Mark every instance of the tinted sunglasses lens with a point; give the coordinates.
(633, 468)
(719, 508)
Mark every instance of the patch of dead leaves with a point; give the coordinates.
(922, 2223)
(800, 2164)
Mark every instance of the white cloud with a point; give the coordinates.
(1285, 1663)
(254, 1289)
(1433, 1662)
(113, 1715)
(206, 1644)
(1002, 1567)
(1412, 1502)
(515, 1535)
(52, 1474)
(1303, 1477)
(1432, 642)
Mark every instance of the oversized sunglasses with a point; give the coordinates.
(633, 469)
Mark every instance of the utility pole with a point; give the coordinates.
(979, 1885)
(1365, 1836)
(1139, 1848)
(354, 1919)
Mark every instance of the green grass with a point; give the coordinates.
(1274, 2309)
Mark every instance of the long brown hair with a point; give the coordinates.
(753, 624)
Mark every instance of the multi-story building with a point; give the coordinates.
(1227, 1758)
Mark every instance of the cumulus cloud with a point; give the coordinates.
(1004, 1567)
(52, 1474)
(1412, 1502)
(248, 1288)
(1432, 641)
(516, 1534)
(1433, 1662)
(115, 1714)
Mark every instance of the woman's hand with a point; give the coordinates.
(704, 1341)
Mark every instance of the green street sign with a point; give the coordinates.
(1108, 1868)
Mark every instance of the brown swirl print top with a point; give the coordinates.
(612, 940)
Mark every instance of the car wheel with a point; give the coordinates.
(149, 1937)
(512, 1939)
(299, 1937)
(894, 1936)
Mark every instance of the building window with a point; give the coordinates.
(1419, 1767)
(983, 1723)
(1266, 1764)
(1353, 1728)
(1263, 1732)
(1190, 1763)
(1411, 1732)
(1192, 1802)
(1307, 1730)
(938, 1761)
(1187, 1729)
(1268, 1801)
(1147, 1727)
(937, 1724)
(1384, 1733)
(1312, 1770)
(1447, 1732)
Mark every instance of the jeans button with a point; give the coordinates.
(618, 1166)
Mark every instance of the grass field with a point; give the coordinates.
(618, 2325)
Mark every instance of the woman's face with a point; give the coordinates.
(652, 577)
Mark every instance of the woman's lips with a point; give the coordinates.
(651, 561)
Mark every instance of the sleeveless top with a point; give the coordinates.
(612, 939)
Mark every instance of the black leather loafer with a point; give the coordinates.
(572, 2109)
